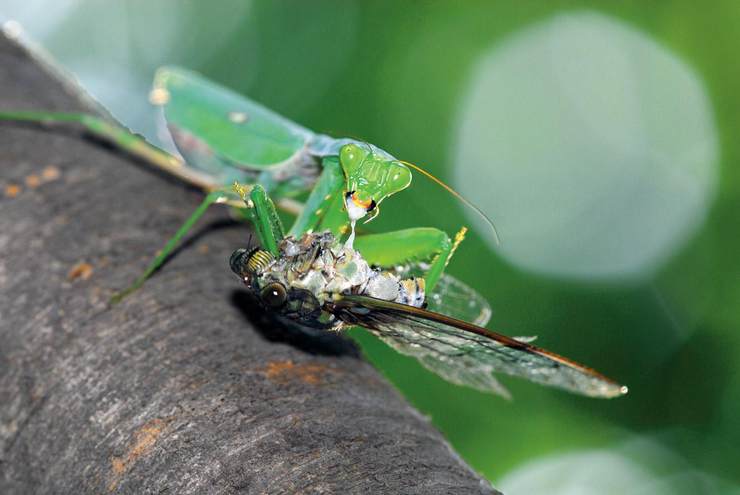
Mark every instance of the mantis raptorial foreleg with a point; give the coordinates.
(263, 215)
(324, 208)
(391, 249)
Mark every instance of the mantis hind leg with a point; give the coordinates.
(115, 135)
(172, 243)
(261, 210)
(411, 245)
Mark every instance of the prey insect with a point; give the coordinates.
(315, 280)
(318, 274)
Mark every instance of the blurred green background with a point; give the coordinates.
(601, 137)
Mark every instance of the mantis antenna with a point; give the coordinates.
(456, 195)
(449, 190)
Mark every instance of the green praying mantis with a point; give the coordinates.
(319, 273)
(226, 139)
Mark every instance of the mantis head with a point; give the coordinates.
(371, 177)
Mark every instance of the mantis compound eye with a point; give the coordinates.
(274, 295)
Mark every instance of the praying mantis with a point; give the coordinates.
(225, 138)
(319, 273)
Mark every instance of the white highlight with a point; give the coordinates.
(592, 146)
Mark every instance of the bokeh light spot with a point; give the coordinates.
(592, 147)
(583, 473)
(640, 466)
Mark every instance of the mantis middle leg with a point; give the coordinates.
(164, 253)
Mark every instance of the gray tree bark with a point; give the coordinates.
(181, 388)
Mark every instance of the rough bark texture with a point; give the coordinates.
(177, 389)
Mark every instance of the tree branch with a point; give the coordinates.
(178, 389)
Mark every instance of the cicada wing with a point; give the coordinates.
(454, 298)
(210, 122)
(467, 354)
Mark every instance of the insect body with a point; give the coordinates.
(310, 271)
(318, 282)
(391, 283)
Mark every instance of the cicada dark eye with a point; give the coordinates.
(274, 295)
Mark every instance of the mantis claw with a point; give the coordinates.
(243, 193)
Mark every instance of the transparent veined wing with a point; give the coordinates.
(467, 354)
(206, 118)
(456, 299)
